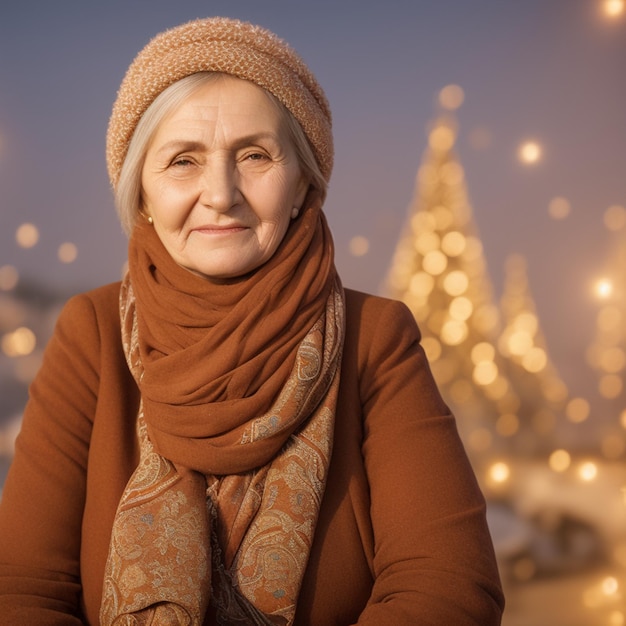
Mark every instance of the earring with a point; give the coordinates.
(150, 220)
(294, 212)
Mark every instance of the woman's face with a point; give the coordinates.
(221, 179)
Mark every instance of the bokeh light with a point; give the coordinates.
(529, 152)
(451, 97)
(27, 235)
(615, 217)
(67, 252)
(559, 208)
(613, 8)
(359, 246)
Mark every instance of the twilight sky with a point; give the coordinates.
(549, 70)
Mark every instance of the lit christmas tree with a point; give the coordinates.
(498, 380)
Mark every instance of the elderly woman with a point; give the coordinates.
(228, 436)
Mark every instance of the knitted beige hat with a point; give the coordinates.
(220, 45)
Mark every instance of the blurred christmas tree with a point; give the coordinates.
(491, 364)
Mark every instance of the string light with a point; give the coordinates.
(613, 8)
(27, 235)
(604, 288)
(451, 97)
(530, 152)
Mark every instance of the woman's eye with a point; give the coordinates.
(181, 162)
(256, 156)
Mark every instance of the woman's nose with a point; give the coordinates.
(220, 189)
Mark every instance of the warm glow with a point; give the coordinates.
(559, 208)
(613, 8)
(435, 262)
(359, 246)
(507, 425)
(67, 252)
(20, 342)
(27, 235)
(456, 283)
(421, 284)
(441, 138)
(499, 472)
(610, 386)
(535, 360)
(451, 97)
(588, 471)
(461, 308)
(604, 288)
(577, 410)
(483, 351)
(454, 333)
(8, 277)
(560, 460)
(615, 217)
(453, 243)
(485, 373)
(529, 152)
(426, 242)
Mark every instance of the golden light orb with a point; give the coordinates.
(482, 351)
(453, 243)
(67, 252)
(359, 246)
(421, 284)
(499, 472)
(441, 138)
(9, 277)
(529, 152)
(435, 262)
(613, 8)
(577, 410)
(559, 208)
(507, 425)
(615, 217)
(535, 360)
(588, 471)
(456, 283)
(451, 97)
(560, 460)
(461, 308)
(610, 386)
(426, 242)
(27, 235)
(485, 373)
(604, 288)
(454, 333)
(21, 342)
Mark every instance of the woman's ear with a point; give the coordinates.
(301, 191)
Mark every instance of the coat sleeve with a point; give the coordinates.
(44, 494)
(433, 555)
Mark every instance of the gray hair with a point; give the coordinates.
(128, 190)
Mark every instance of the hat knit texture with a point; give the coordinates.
(223, 45)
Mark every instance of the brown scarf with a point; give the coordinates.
(238, 384)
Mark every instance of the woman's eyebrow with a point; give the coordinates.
(176, 145)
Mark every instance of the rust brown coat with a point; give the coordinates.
(402, 537)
